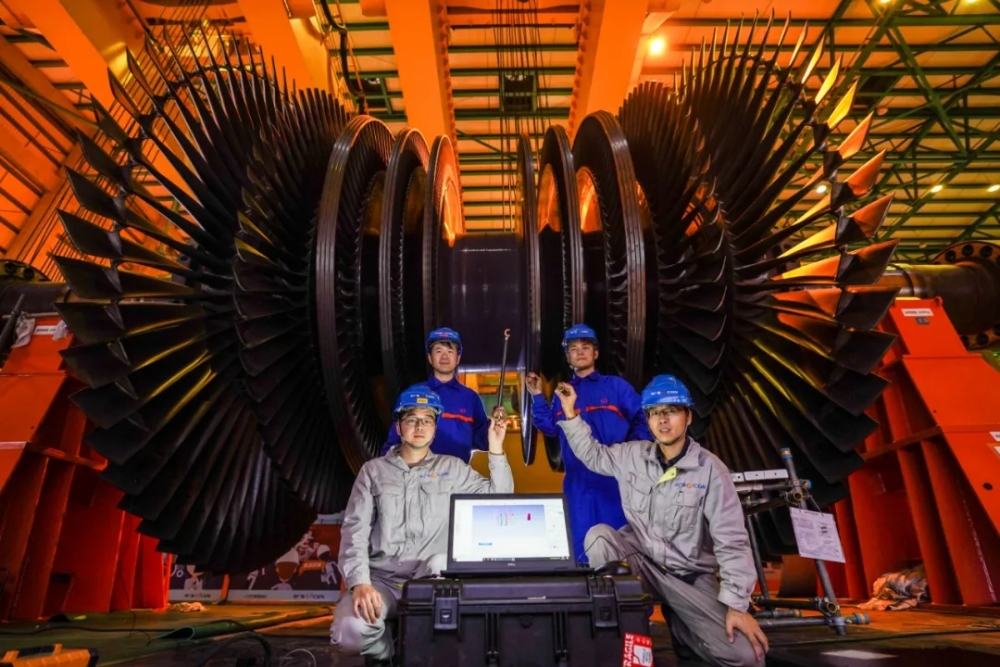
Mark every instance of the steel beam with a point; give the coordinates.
(418, 29)
(295, 43)
(917, 73)
(89, 35)
(18, 64)
(962, 160)
(993, 212)
(610, 32)
(375, 51)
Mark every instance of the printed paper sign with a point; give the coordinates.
(638, 651)
(917, 312)
(187, 584)
(306, 573)
(816, 535)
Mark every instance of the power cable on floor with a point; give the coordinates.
(288, 656)
(266, 645)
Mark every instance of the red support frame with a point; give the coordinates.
(64, 544)
(930, 489)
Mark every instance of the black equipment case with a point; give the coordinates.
(525, 621)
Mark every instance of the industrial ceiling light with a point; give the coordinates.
(993, 188)
(821, 189)
(657, 46)
(937, 188)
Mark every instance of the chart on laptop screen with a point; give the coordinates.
(506, 529)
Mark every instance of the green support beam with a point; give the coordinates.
(979, 223)
(471, 71)
(493, 92)
(894, 70)
(470, 48)
(554, 113)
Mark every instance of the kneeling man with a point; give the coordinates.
(685, 535)
(396, 523)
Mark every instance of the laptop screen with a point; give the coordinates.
(491, 533)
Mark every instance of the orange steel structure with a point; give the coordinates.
(930, 489)
(65, 546)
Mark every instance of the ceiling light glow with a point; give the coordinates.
(821, 189)
(657, 46)
(936, 188)
(993, 188)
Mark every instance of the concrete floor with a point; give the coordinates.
(951, 632)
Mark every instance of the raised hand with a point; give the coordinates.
(533, 384)
(496, 433)
(567, 396)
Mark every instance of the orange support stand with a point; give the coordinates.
(64, 544)
(930, 489)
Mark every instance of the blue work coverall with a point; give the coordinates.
(612, 408)
(462, 427)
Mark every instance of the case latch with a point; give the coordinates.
(446, 608)
(605, 601)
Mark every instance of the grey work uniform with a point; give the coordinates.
(395, 529)
(691, 525)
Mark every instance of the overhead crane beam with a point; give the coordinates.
(293, 40)
(608, 42)
(14, 60)
(419, 33)
(90, 36)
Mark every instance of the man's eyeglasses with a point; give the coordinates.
(414, 422)
(665, 411)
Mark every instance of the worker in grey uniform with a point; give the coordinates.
(685, 535)
(395, 526)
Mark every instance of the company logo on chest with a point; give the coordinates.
(433, 475)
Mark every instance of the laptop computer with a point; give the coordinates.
(493, 535)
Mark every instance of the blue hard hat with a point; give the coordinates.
(444, 335)
(579, 332)
(666, 390)
(418, 396)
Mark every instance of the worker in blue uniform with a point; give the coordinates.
(463, 425)
(611, 407)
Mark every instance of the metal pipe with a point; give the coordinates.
(824, 575)
(792, 622)
(778, 613)
(757, 506)
(758, 564)
(503, 371)
(821, 605)
(48, 313)
(853, 619)
(38, 297)
(970, 290)
(761, 487)
(8, 328)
